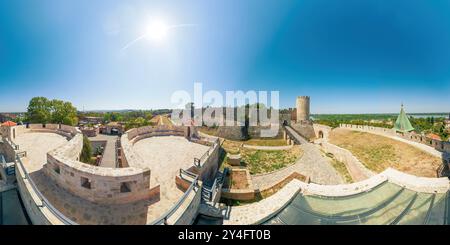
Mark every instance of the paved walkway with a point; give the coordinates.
(164, 156)
(311, 164)
(109, 153)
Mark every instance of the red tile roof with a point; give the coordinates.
(9, 124)
(434, 136)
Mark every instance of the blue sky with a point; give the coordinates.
(350, 56)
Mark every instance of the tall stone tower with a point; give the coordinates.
(303, 109)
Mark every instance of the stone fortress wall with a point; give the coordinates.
(356, 169)
(205, 168)
(39, 211)
(443, 146)
(96, 184)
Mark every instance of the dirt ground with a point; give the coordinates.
(378, 153)
(239, 180)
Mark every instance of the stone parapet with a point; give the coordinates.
(356, 169)
(442, 146)
(96, 184)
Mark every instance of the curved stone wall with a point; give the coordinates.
(258, 212)
(129, 157)
(419, 184)
(208, 164)
(442, 146)
(356, 169)
(96, 184)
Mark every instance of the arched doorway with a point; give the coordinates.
(320, 134)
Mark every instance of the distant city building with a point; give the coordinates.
(91, 120)
(434, 136)
(114, 128)
(7, 117)
(447, 122)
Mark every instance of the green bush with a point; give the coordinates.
(86, 152)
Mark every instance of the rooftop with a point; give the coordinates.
(387, 203)
(9, 124)
(164, 155)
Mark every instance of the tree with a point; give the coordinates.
(443, 132)
(63, 112)
(136, 123)
(86, 152)
(42, 110)
(39, 110)
(113, 117)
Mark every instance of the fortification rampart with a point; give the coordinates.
(129, 156)
(442, 146)
(321, 131)
(356, 169)
(96, 184)
(206, 166)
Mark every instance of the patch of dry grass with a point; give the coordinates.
(341, 169)
(262, 161)
(266, 142)
(378, 153)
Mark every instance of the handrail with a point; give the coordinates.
(198, 161)
(44, 200)
(216, 187)
(439, 170)
(11, 143)
(163, 219)
(188, 173)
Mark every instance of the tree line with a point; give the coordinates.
(43, 110)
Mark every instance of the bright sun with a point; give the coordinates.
(157, 31)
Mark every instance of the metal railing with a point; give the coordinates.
(198, 161)
(440, 170)
(209, 193)
(45, 202)
(163, 219)
(11, 143)
(188, 173)
(22, 154)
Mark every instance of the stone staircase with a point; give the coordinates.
(211, 194)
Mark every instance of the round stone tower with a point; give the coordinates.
(303, 109)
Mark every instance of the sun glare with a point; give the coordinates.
(157, 31)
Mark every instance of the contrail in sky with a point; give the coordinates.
(147, 34)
